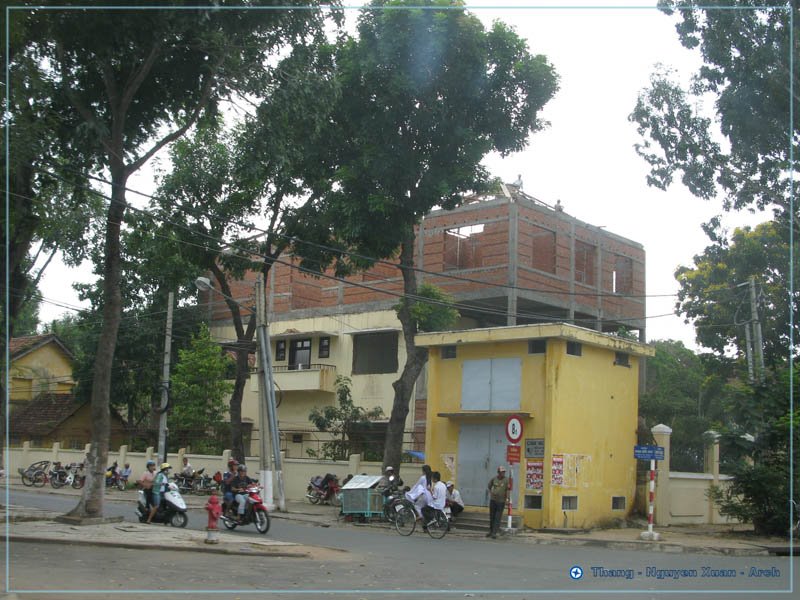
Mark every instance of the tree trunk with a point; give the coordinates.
(91, 502)
(19, 242)
(242, 374)
(416, 358)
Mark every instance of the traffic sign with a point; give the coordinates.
(648, 452)
(514, 429)
(513, 454)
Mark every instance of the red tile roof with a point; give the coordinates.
(20, 346)
(42, 415)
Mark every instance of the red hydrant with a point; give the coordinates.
(214, 511)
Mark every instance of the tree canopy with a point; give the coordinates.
(746, 56)
(426, 93)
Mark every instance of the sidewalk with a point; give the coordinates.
(36, 525)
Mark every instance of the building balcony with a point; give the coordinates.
(305, 378)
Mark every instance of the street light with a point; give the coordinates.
(267, 408)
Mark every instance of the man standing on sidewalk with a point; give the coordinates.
(498, 492)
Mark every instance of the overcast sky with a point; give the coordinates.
(604, 57)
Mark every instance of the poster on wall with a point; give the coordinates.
(557, 471)
(534, 475)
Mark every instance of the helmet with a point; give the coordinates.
(165, 466)
(233, 462)
(151, 462)
(390, 468)
(241, 467)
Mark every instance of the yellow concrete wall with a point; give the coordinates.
(584, 407)
(592, 423)
(46, 369)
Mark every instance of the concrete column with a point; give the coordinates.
(179, 463)
(55, 451)
(354, 464)
(26, 453)
(711, 466)
(572, 272)
(661, 434)
(226, 456)
(149, 454)
(123, 455)
(513, 262)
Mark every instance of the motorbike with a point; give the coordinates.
(204, 484)
(113, 480)
(255, 512)
(171, 510)
(324, 489)
(62, 476)
(184, 482)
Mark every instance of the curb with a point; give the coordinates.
(213, 549)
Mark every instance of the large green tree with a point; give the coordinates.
(261, 171)
(746, 56)
(135, 80)
(427, 93)
(198, 387)
(714, 291)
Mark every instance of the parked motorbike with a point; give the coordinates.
(204, 484)
(324, 489)
(171, 510)
(255, 512)
(58, 476)
(184, 482)
(62, 476)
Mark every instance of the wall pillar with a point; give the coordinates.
(711, 466)
(55, 451)
(123, 455)
(661, 434)
(354, 463)
(149, 454)
(26, 452)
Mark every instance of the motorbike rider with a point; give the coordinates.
(387, 485)
(159, 488)
(239, 485)
(146, 483)
(227, 478)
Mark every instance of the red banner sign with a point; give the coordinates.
(513, 454)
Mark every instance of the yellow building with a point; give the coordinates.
(576, 393)
(39, 364)
(308, 354)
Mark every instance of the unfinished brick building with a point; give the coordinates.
(507, 259)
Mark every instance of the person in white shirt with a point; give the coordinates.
(420, 494)
(454, 500)
(187, 470)
(438, 497)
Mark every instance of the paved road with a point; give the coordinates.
(379, 563)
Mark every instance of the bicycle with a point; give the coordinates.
(438, 526)
(405, 517)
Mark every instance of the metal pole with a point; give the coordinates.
(265, 358)
(265, 460)
(748, 339)
(757, 341)
(162, 419)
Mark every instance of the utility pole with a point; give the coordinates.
(268, 395)
(264, 453)
(757, 340)
(162, 418)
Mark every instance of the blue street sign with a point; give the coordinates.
(648, 452)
